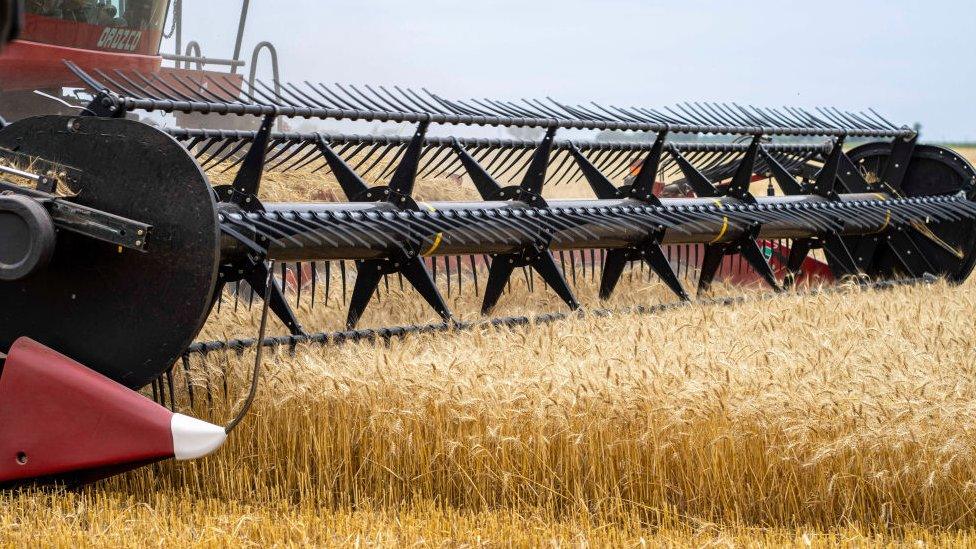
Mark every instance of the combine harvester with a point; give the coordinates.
(116, 248)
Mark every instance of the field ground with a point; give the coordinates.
(839, 419)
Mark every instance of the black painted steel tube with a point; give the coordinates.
(333, 231)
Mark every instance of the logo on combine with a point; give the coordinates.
(120, 39)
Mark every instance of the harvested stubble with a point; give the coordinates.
(827, 419)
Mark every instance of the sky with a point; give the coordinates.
(912, 61)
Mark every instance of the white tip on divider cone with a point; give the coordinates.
(193, 439)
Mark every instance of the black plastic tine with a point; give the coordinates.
(147, 85)
(518, 168)
(467, 108)
(569, 174)
(629, 115)
(585, 113)
(332, 99)
(392, 164)
(360, 98)
(690, 115)
(309, 156)
(883, 119)
(117, 86)
(498, 156)
(415, 99)
(558, 174)
(84, 77)
(369, 155)
(530, 109)
(624, 166)
(448, 106)
(191, 144)
(286, 153)
(424, 170)
(269, 96)
(569, 109)
(343, 100)
(837, 121)
(392, 99)
(866, 121)
(428, 149)
(499, 109)
(788, 116)
(805, 116)
(445, 157)
(786, 112)
(608, 115)
(517, 158)
(774, 115)
(611, 159)
(385, 102)
(203, 155)
(657, 116)
(519, 110)
(427, 106)
(680, 118)
(205, 150)
(702, 114)
(742, 115)
(201, 90)
(221, 155)
(176, 94)
(301, 98)
(549, 112)
(454, 107)
(850, 119)
(488, 110)
(813, 121)
(402, 99)
(447, 274)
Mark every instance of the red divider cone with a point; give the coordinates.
(62, 421)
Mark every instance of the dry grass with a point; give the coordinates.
(830, 420)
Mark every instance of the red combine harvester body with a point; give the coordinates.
(89, 37)
(101, 35)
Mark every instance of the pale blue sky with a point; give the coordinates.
(912, 61)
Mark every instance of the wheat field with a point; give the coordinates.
(844, 418)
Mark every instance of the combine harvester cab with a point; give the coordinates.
(117, 248)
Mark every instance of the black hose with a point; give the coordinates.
(256, 374)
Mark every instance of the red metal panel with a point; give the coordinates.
(86, 36)
(60, 419)
(32, 65)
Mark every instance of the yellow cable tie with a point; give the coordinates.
(438, 238)
(725, 225)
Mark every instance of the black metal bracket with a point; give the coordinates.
(529, 192)
(253, 268)
(837, 167)
(649, 250)
(104, 105)
(746, 245)
(398, 193)
(83, 220)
